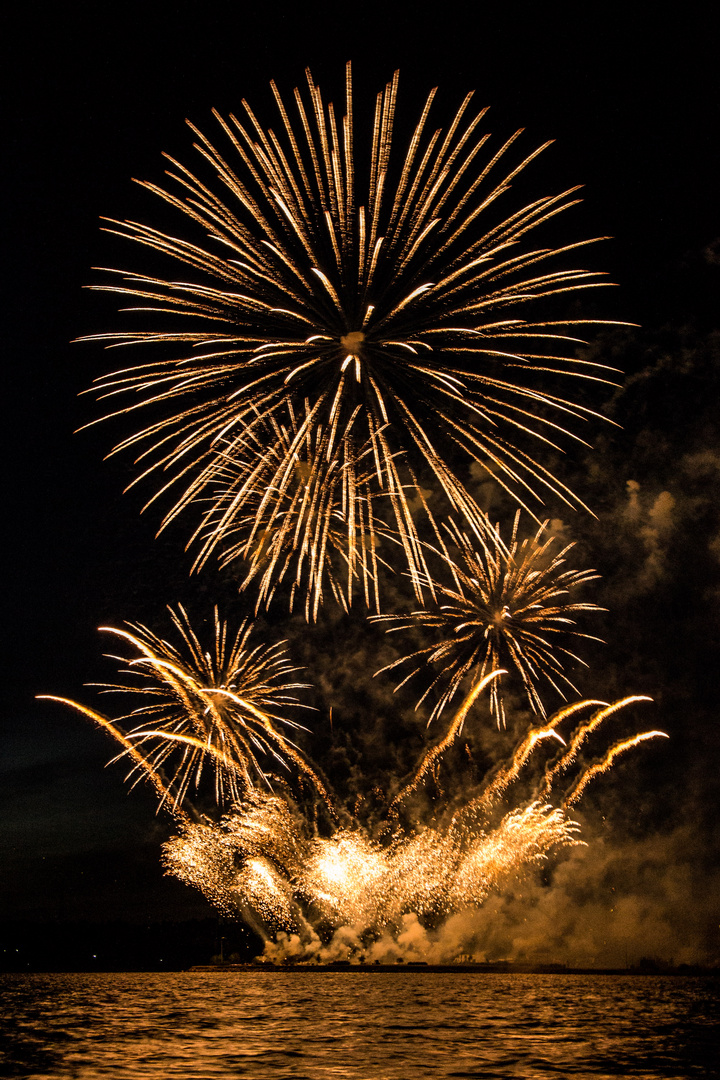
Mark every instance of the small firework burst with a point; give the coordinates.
(509, 606)
(200, 710)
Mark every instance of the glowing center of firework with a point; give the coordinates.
(260, 870)
(351, 342)
(334, 869)
(501, 617)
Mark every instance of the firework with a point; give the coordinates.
(234, 862)
(606, 761)
(316, 531)
(274, 850)
(199, 710)
(265, 855)
(351, 879)
(333, 359)
(397, 320)
(509, 606)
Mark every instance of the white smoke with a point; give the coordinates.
(607, 906)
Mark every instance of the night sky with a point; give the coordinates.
(92, 100)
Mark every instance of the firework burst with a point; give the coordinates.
(334, 355)
(202, 710)
(509, 606)
(394, 320)
(274, 850)
(267, 857)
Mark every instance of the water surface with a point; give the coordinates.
(346, 1026)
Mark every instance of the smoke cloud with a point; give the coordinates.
(612, 904)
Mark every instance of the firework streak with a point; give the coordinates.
(282, 854)
(264, 857)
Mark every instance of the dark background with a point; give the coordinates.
(92, 98)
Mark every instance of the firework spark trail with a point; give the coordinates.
(264, 855)
(265, 837)
(524, 837)
(604, 765)
(397, 316)
(203, 708)
(508, 607)
(318, 529)
(483, 804)
(141, 764)
(582, 734)
(455, 728)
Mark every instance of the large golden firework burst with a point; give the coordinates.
(335, 355)
(393, 313)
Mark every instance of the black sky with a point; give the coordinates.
(92, 98)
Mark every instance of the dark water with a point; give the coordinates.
(360, 1027)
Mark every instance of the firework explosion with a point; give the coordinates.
(263, 856)
(334, 345)
(282, 855)
(318, 530)
(200, 709)
(384, 330)
(507, 607)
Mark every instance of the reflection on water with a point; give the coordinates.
(357, 1026)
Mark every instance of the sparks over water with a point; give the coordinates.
(264, 855)
(347, 350)
(277, 850)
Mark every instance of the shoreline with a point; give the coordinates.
(415, 967)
